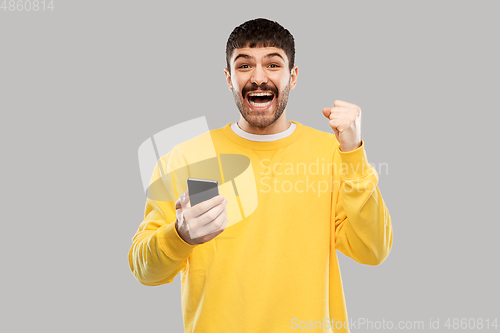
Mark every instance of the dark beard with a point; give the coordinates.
(281, 98)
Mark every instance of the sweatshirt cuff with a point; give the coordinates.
(354, 162)
(173, 244)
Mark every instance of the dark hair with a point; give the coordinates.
(261, 32)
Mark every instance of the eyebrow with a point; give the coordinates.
(246, 56)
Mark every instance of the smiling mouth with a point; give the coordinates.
(260, 100)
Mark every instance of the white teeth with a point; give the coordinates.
(260, 105)
(260, 94)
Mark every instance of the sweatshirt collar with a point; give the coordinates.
(264, 142)
(262, 137)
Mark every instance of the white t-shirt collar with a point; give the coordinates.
(262, 137)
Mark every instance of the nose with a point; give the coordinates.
(259, 76)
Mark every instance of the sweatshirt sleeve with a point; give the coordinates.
(158, 253)
(363, 229)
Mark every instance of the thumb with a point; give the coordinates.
(326, 112)
(184, 200)
(180, 205)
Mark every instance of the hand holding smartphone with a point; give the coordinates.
(202, 190)
(205, 216)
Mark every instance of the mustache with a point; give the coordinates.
(264, 87)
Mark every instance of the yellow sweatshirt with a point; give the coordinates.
(292, 203)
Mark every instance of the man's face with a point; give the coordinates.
(260, 81)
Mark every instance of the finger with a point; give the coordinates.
(334, 128)
(223, 226)
(180, 206)
(199, 224)
(185, 200)
(326, 112)
(178, 202)
(345, 104)
(341, 110)
(178, 213)
(220, 224)
(343, 115)
(202, 207)
(338, 125)
(180, 218)
(212, 226)
(210, 215)
(221, 229)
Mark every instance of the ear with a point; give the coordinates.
(293, 77)
(228, 79)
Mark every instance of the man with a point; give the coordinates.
(276, 269)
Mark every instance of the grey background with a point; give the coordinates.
(83, 86)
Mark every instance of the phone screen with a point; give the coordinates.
(201, 190)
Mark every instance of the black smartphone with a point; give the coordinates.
(201, 190)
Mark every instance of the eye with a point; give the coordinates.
(274, 65)
(243, 66)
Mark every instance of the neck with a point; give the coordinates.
(278, 126)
